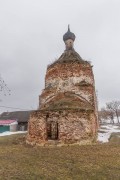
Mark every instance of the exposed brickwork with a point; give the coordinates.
(74, 126)
(67, 104)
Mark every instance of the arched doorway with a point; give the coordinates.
(52, 130)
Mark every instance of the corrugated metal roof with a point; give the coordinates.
(7, 122)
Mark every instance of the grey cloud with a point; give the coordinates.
(31, 37)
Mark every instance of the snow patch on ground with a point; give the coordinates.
(105, 132)
(7, 133)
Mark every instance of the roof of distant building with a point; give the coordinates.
(7, 122)
(20, 116)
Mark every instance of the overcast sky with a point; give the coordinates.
(31, 33)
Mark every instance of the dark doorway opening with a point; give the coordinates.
(52, 130)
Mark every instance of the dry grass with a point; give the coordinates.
(23, 162)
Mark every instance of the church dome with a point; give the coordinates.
(68, 35)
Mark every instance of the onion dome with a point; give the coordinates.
(68, 35)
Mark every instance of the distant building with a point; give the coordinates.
(21, 117)
(8, 125)
(68, 107)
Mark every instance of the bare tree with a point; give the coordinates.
(114, 107)
(102, 115)
(105, 114)
(3, 87)
(110, 115)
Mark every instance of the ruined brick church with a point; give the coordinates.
(67, 111)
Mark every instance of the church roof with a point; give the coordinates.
(68, 57)
(68, 35)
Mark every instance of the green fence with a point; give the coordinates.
(4, 128)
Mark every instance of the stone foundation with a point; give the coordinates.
(72, 127)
